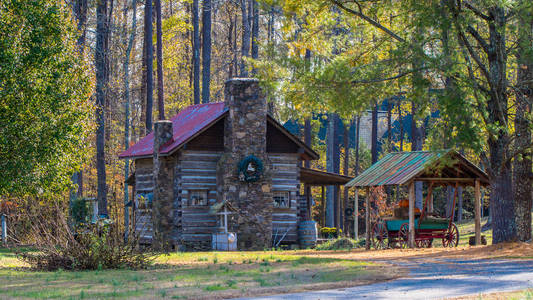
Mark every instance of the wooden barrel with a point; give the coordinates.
(307, 234)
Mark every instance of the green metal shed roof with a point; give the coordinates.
(399, 168)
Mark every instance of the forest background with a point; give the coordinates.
(82, 80)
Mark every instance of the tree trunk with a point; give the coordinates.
(330, 220)
(230, 46)
(416, 145)
(149, 63)
(501, 196)
(332, 165)
(80, 12)
(126, 65)
(245, 46)
(400, 120)
(196, 52)
(336, 168)
(374, 146)
(389, 125)
(346, 141)
(357, 131)
(522, 185)
(449, 200)
(100, 58)
(206, 50)
(307, 140)
(159, 33)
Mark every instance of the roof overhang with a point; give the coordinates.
(316, 177)
(307, 152)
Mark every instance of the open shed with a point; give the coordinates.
(443, 167)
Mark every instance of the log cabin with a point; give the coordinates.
(231, 156)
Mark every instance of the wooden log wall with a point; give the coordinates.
(144, 186)
(196, 170)
(285, 177)
(302, 207)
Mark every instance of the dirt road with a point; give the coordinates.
(437, 278)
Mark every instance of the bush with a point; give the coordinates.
(87, 247)
(79, 211)
(338, 244)
(330, 232)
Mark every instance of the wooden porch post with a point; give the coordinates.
(367, 219)
(411, 215)
(323, 207)
(430, 205)
(338, 210)
(477, 212)
(356, 215)
(307, 189)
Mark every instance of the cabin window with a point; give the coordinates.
(282, 200)
(198, 198)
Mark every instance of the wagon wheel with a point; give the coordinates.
(451, 237)
(403, 235)
(380, 235)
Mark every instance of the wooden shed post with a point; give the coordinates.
(430, 204)
(356, 215)
(411, 215)
(477, 212)
(367, 219)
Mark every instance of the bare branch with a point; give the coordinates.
(473, 53)
(476, 11)
(369, 20)
(478, 38)
(376, 80)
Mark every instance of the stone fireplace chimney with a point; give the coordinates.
(163, 191)
(245, 140)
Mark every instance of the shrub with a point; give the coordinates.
(79, 211)
(330, 232)
(86, 247)
(338, 244)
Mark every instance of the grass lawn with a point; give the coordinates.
(194, 275)
(516, 295)
(467, 229)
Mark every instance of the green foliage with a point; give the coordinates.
(338, 244)
(44, 98)
(80, 211)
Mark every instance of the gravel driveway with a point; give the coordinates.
(437, 278)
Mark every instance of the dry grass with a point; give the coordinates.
(516, 295)
(194, 276)
(504, 250)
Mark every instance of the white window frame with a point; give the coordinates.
(191, 193)
(285, 194)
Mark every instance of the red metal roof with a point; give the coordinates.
(186, 124)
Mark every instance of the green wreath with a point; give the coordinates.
(250, 169)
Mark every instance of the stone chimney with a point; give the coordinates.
(245, 136)
(162, 210)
